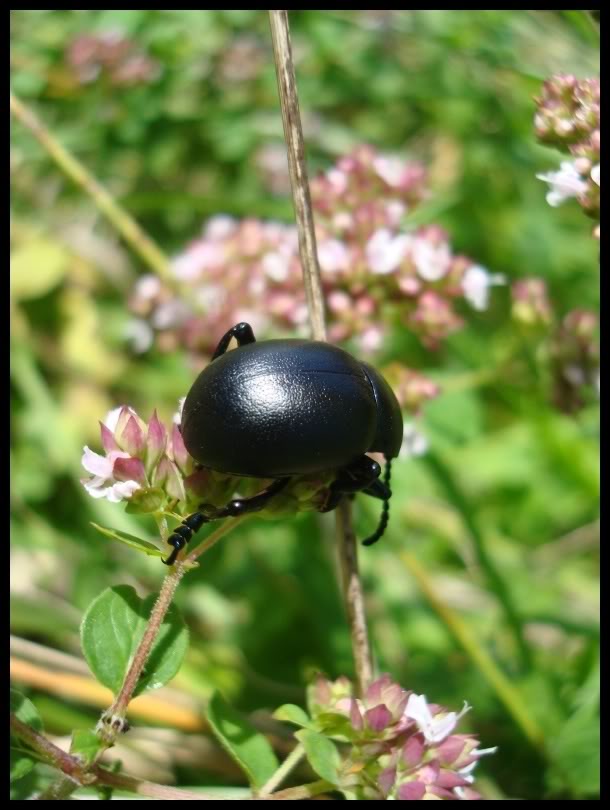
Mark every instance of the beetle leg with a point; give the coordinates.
(361, 474)
(242, 332)
(243, 506)
(182, 535)
(378, 490)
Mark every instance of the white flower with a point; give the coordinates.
(390, 169)
(476, 284)
(384, 252)
(434, 728)
(220, 227)
(565, 183)
(595, 174)
(147, 287)
(275, 266)
(338, 180)
(170, 314)
(139, 334)
(177, 418)
(333, 255)
(395, 211)
(101, 468)
(466, 771)
(414, 443)
(371, 339)
(432, 262)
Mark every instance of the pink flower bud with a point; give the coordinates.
(132, 438)
(156, 442)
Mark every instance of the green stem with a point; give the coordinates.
(225, 527)
(291, 761)
(506, 691)
(132, 233)
(303, 791)
(496, 582)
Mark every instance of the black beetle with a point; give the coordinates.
(283, 408)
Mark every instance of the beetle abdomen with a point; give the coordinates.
(280, 408)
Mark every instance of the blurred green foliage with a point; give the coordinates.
(503, 512)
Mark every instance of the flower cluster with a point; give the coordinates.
(112, 56)
(400, 746)
(373, 271)
(568, 117)
(149, 466)
(570, 346)
(138, 458)
(575, 359)
(531, 306)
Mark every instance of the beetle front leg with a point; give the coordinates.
(361, 475)
(182, 535)
(242, 332)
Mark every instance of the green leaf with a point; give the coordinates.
(144, 501)
(146, 546)
(321, 753)
(249, 749)
(22, 761)
(36, 267)
(112, 629)
(290, 713)
(86, 744)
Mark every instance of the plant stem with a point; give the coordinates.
(293, 134)
(354, 597)
(506, 691)
(59, 790)
(160, 608)
(225, 527)
(48, 751)
(132, 233)
(301, 198)
(302, 791)
(291, 761)
(78, 776)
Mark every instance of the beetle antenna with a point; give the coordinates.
(385, 513)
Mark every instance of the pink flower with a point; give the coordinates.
(385, 251)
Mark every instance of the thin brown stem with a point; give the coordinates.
(160, 608)
(354, 597)
(293, 134)
(78, 776)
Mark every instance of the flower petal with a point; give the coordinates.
(132, 438)
(122, 490)
(108, 440)
(412, 791)
(413, 750)
(156, 442)
(96, 464)
(129, 469)
(379, 718)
